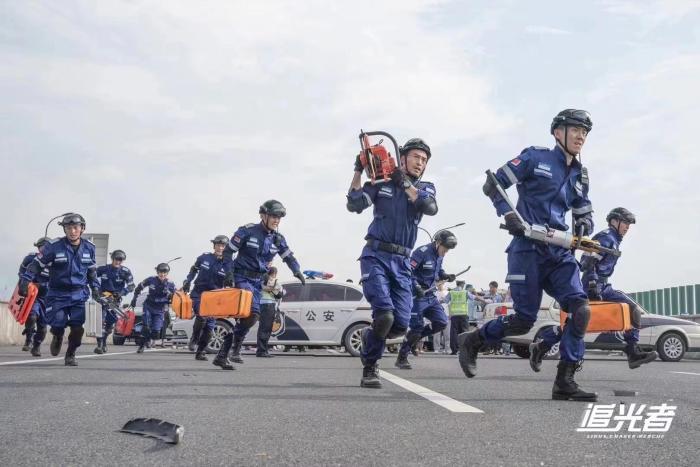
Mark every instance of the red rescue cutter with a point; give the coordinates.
(21, 306)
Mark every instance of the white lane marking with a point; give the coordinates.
(20, 362)
(686, 373)
(434, 397)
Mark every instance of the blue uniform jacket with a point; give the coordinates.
(42, 280)
(159, 292)
(210, 271)
(426, 266)
(256, 247)
(396, 218)
(115, 279)
(599, 267)
(69, 269)
(547, 187)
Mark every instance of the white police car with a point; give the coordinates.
(323, 313)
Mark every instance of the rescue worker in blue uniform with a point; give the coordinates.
(210, 270)
(426, 266)
(116, 281)
(550, 182)
(160, 294)
(399, 205)
(255, 246)
(72, 270)
(35, 326)
(597, 269)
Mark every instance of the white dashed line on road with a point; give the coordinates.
(53, 359)
(685, 373)
(434, 397)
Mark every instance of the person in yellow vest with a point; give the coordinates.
(459, 314)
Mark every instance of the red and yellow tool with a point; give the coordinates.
(375, 158)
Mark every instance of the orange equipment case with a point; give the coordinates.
(226, 303)
(125, 323)
(182, 305)
(606, 316)
(21, 306)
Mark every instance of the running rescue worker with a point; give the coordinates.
(399, 205)
(208, 272)
(116, 281)
(35, 327)
(597, 270)
(157, 303)
(255, 246)
(426, 264)
(72, 272)
(550, 182)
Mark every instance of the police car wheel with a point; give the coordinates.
(221, 328)
(352, 339)
(671, 347)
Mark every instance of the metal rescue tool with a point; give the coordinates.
(433, 288)
(549, 236)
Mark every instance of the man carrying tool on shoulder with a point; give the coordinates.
(399, 205)
(597, 269)
(550, 182)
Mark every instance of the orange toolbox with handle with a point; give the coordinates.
(606, 316)
(19, 306)
(226, 303)
(182, 305)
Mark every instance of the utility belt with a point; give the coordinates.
(256, 275)
(67, 288)
(392, 248)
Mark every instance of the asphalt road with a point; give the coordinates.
(308, 409)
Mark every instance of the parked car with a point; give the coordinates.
(670, 337)
(167, 334)
(321, 313)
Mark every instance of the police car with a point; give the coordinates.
(323, 312)
(670, 337)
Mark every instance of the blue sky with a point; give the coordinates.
(166, 123)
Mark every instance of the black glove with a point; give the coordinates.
(418, 290)
(450, 277)
(593, 292)
(96, 296)
(116, 297)
(489, 188)
(133, 303)
(23, 288)
(513, 224)
(228, 280)
(398, 177)
(358, 164)
(300, 276)
(583, 226)
(186, 286)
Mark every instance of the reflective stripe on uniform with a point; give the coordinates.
(509, 173)
(515, 277)
(582, 210)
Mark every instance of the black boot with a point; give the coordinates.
(36, 350)
(370, 377)
(363, 344)
(565, 388)
(469, 345)
(202, 346)
(636, 357)
(38, 339)
(28, 332)
(104, 344)
(75, 338)
(27, 342)
(98, 348)
(56, 342)
(537, 353)
(221, 359)
(236, 350)
(196, 333)
(142, 345)
(402, 362)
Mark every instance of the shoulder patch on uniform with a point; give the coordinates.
(248, 226)
(423, 248)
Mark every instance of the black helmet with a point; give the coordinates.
(220, 239)
(446, 239)
(72, 219)
(163, 267)
(273, 207)
(41, 242)
(621, 214)
(119, 255)
(572, 117)
(415, 143)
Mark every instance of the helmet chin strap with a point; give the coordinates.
(565, 145)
